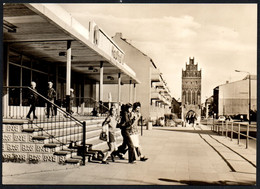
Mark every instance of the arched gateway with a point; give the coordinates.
(191, 90)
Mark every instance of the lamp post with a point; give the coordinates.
(249, 93)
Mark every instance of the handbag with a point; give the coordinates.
(135, 140)
(103, 136)
(104, 133)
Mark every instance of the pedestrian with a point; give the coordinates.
(71, 100)
(241, 118)
(110, 125)
(51, 95)
(33, 97)
(127, 120)
(134, 131)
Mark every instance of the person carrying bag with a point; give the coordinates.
(108, 129)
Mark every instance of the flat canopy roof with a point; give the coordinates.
(42, 31)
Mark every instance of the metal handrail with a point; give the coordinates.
(234, 131)
(79, 136)
(59, 108)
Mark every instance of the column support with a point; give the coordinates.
(119, 92)
(130, 91)
(68, 76)
(101, 79)
(134, 92)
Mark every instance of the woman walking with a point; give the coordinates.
(134, 131)
(126, 122)
(110, 125)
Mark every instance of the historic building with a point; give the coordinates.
(191, 89)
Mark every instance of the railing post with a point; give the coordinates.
(84, 143)
(141, 125)
(238, 137)
(231, 131)
(222, 128)
(226, 128)
(247, 136)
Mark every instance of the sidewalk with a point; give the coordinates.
(177, 156)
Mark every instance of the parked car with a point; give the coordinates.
(221, 118)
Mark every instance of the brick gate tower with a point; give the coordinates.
(191, 89)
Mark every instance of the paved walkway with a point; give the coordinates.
(177, 156)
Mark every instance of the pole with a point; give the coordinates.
(84, 143)
(68, 75)
(249, 104)
(247, 136)
(141, 125)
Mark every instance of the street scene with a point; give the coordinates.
(129, 94)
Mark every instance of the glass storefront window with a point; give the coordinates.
(26, 62)
(14, 57)
(41, 66)
(14, 80)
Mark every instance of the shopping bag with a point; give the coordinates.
(103, 136)
(135, 140)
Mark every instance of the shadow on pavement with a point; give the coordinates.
(203, 183)
(190, 131)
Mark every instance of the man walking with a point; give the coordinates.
(32, 100)
(51, 94)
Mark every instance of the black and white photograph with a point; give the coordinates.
(126, 94)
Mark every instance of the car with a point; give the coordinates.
(221, 118)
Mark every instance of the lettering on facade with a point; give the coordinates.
(7, 137)
(96, 35)
(48, 158)
(20, 137)
(117, 55)
(28, 148)
(13, 147)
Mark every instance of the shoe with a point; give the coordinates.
(28, 117)
(112, 158)
(120, 156)
(105, 162)
(143, 159)
(35, 117)
(132, 162)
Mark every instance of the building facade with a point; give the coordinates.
(233, 97)
(176, 107)
(191, 89)
(152, 91)
(42, 43)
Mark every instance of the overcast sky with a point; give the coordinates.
(221, 37)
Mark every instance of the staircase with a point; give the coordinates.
(63, 138)
(25, 141)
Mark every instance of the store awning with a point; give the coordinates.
(42, 31)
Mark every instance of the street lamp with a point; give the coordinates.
(249, 93)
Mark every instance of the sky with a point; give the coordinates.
(221, 37)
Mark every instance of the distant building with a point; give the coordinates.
(152, 91)
(233, 98)
(176, 107)
(191, 89)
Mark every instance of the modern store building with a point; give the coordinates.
(43, 42)
(152, 92)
